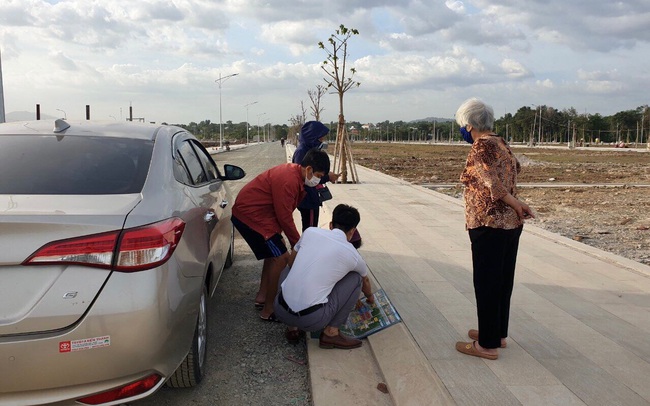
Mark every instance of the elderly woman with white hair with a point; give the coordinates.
(494, 219)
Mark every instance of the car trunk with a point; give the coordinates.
(39, 298)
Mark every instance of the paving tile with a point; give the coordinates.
(613, 358)
(471, 382)
(431, 330)
(593, 385)
(345, 377)
(516, 366)
(619, 331)
(568, 301)
(443, 295)
(410, 378)
(622, 333)
(553, 395)
(635, 315)
(536, 339)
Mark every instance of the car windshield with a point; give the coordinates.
(71, 165)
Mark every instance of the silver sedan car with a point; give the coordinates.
(112, 239)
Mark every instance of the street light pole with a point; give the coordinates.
(247, 124)
(220, 81)
(258, 126)
(65, 116)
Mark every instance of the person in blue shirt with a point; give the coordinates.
(312, 135)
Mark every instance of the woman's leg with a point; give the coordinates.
(509, 263)
(488, 246)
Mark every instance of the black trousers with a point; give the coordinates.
(309, 217)
(494, 255)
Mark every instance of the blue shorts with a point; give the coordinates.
(262, 248)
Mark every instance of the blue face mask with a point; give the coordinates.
(322, 146)
(467, 135)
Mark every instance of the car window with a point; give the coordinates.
(206, 161)
(192, 163)
(65, 165)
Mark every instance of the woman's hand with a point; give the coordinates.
(526, 212)
(523, 211)
(333, 177)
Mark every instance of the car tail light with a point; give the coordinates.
(93, 250)
(123, 392)
(139, 248)
(149, 246)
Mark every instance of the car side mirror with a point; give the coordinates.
(232, 172)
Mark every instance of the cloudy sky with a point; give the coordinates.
(414, 58)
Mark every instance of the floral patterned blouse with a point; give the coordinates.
(490, 174)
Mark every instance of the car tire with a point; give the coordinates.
(190, 372)
(230, 257)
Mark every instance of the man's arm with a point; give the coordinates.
(367, 290)
(284, 203)
(292, 256)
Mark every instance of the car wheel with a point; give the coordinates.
(231, 250)
(190, 372)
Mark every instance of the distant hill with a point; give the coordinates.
(432, 119)
(25, 116)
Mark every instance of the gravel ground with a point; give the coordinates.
(249, 360)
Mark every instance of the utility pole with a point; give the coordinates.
(219, 82)
(2, 94)
(247, 123)
(539, 130)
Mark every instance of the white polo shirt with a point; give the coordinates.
(324, 257)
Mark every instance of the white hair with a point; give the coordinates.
(475, 113)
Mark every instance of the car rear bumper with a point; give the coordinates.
(141, 323)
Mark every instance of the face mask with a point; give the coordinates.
(323, 145)
(313, 182)
(467, 135)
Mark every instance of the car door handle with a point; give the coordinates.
(209, 216)
(223, 203)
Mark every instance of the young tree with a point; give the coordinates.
(335, 67)
(315, 95)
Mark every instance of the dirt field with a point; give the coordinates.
(598, 197)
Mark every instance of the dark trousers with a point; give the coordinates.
(494, 255)
(309, 217)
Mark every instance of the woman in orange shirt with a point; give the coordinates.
(494, 219)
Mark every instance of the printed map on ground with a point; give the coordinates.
(368, 319)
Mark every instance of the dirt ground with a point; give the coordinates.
(600, 197)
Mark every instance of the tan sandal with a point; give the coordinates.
(470, 349)
(473, 334)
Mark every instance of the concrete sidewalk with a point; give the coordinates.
(580, 317)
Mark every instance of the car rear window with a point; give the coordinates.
(70, 165)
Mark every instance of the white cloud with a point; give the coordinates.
(546, 83)
(456, 6)
(63, 62)
(595, 75)
(514, 69)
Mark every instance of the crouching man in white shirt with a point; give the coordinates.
(321, 286)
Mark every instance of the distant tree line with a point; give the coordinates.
(530, 124)
(235, 133)
(533, 125)
(545, 124)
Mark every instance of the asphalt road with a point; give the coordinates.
(249, 361)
